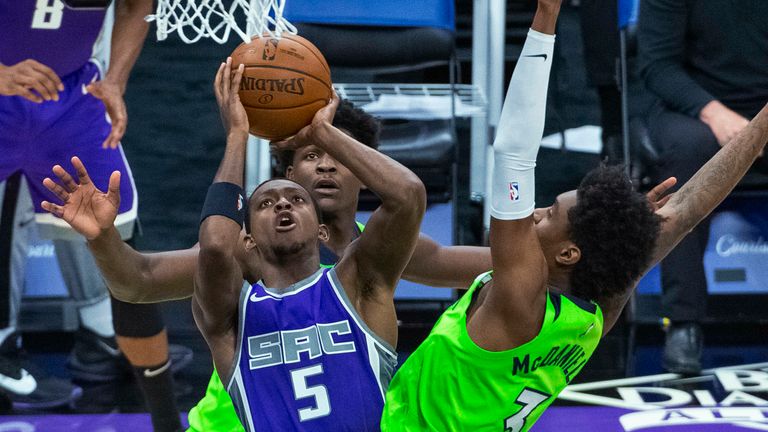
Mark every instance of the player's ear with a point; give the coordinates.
(289, 172)
(249, 242)
(569, 254)
(322, 233)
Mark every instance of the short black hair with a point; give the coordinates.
(616, 229)
(247, 220)
(361, 125)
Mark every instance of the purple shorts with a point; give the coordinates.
(35, 137)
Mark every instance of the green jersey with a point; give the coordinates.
(451, 384)
(215, 411)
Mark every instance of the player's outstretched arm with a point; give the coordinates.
(137, 277)
(700, 195)
(131, 276)
(218, 279)
(711, 184)
(520, 268)
(446, 266)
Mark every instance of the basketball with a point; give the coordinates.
(285, 82)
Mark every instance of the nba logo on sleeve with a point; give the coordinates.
(514, 191)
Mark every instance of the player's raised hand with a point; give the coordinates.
(310, 134)
(226, 86)
(84, 207)
(658, 196)
(111, 94)
(31, 80)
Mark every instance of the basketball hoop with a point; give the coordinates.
(196, 19)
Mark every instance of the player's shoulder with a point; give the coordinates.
(570, 313)
(558, 298)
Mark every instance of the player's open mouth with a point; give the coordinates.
(285, 222)
(326, 187)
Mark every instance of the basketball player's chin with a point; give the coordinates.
(326, 197)
(330, 202)
(290, 248)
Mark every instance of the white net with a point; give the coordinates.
(196, 19)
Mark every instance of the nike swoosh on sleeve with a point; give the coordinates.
(537, 55)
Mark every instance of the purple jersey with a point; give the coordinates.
(305, 360)
(48, 32)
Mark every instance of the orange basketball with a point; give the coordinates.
(285, 82)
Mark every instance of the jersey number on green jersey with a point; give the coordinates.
(528, 399)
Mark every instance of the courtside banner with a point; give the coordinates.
(726, 399)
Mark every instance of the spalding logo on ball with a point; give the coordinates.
(285, 82)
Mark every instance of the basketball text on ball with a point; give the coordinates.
(293, 53)
(283, 85)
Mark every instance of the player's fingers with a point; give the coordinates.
(235, 87)
(56, 189)
(226, 79)
(82, 173)
(285, 144)
(94, 90)
(217, 81)
(279, 145)
(660, 189)
(28, 94)
(32, 82)
(662, 202)
(112, 141)
(113, 190)
(333, 104)
(114, 182)
(49, 73)
(47, 83)
(66, 179)
(54, 209)
(119, 123)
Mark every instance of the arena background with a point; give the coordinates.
(175, 140)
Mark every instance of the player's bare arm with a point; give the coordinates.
(372, 265)
(446, 266)
(128, 36)
(701, 194)
(219, 279)
(131, 276)
(137, 277)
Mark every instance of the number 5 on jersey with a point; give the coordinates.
(529, 399)
(322, 404)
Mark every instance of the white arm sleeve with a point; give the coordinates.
(520, 130)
